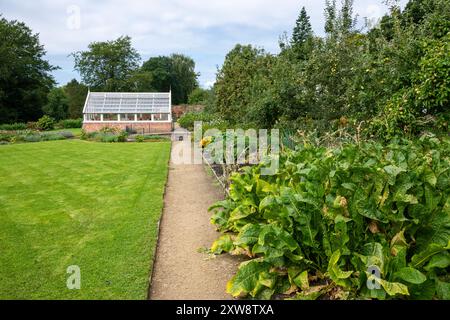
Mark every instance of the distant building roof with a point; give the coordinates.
(115, 102)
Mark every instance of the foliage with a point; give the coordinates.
(76, 95)
(57, 106)
(188, 119)
(70, 123)
(363, 76)
(139, 138)
(234, 79)
(45, 123)
(199, 96)
(329, 214)
(13, 127)
(106, 134)
(175, 73)
(107, 66)
(25, 78)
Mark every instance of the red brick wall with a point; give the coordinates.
(155, 127)
(178, 111)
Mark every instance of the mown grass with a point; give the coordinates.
(93, 205)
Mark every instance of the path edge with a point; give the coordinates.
(153, 260)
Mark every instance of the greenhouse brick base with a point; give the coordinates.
(163, 127)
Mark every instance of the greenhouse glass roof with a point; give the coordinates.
(109, 102)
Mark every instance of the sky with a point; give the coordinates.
(205, 30)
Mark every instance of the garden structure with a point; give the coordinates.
(139, 112)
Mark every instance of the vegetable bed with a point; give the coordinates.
(351, 222)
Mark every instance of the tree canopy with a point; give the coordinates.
(25, 76)
(108, 66)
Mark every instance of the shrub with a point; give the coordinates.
(108, 138)
(66, 134)
(32, 138)
(32, 126)
(84, 135)
(52, 137)
(70, 124)
(329, 215)
(187, 120)
(46, 123)
(139, 138)
(13, 127)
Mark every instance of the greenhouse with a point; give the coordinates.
(141, 112)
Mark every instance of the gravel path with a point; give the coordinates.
(181, 272)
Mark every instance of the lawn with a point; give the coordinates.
(92, 205)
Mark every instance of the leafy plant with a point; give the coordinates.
(13, 127)
(329, 215)
(46, 123)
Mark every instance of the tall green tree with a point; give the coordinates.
(76, 95)
(302, 35)
(302, 30)
(234, 81)
(175, 72)
(58, 104)
(330, 16)
(108, 66)
(25, 76)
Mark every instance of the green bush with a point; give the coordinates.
(13, 127)
(140, 138)
(187, 120)
(52, 137)
(33, 138)
(70, 124)
(46, 123)
(67, 134)
(330, 214)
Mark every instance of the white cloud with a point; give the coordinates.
(204, 29)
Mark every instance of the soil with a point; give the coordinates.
(181, 270)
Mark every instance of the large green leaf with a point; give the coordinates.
(419, 259)
(251, 275)
(391, 288)
(440, 260)
(335, 272)
(410, 275)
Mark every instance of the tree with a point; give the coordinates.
(303, 30)
(25, 78)
(107, 66)
(302, 35)
(176, 73)
(76, 95)
(58, 104)
(347, 22)
(199, 96)
(330, 16)
(234, 80)
(160, 69)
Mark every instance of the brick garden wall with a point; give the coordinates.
(156, 127)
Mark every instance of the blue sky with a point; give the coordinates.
(203, 29)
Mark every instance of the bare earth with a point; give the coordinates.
(180, 271)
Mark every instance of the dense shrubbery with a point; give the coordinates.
(392, 79)
(70, 124)
(329, 214)
(46, 123)
(187, 120)
(13, 127)
(107, 135)
(33, 136)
